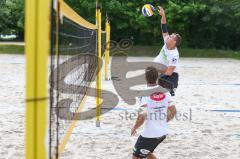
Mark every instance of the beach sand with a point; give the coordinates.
(205, 84)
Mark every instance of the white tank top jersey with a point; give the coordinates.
(168, 57)
(156, 106)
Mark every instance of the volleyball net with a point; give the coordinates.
(75, 51)
(77, 48)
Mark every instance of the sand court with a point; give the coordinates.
(208, 124)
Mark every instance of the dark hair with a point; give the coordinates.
(178, 39)
(151, 75)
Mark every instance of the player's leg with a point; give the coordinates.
(144, 147)
(151, 156)
(134, 157)
(141, 148)
(155, 142)
(174, 79)
(169, 82)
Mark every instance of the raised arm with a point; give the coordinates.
(163, 21)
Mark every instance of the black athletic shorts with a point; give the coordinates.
(169, 82)
(144, 146)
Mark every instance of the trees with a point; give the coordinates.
(3, 25)
(202, 24)
(12, 17)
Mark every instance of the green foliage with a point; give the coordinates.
(153, 51)
(3, 25)
(202, 24)
(12, 17)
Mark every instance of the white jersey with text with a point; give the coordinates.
(168, 57)
(156, 106)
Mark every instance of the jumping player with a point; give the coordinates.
(169, 55)
(158, 111)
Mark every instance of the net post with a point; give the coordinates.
(37, 24)
(99, 75)
(107, 50)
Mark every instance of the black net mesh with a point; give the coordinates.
(73, 67)
(103, 42)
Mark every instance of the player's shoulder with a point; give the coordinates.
(174, 54)
(171, 51)
(174, 51)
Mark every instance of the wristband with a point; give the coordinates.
(164, 28)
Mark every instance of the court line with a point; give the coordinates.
(225, 110)
(213, 84)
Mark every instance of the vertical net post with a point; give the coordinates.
(99, 75)
(107, 50)
(37, 33)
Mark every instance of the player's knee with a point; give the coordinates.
(134, 157)
(151, 156)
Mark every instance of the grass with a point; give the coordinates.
(11, 49)
(184, 52)
(147, 51)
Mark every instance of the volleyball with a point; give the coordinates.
(148, 10)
